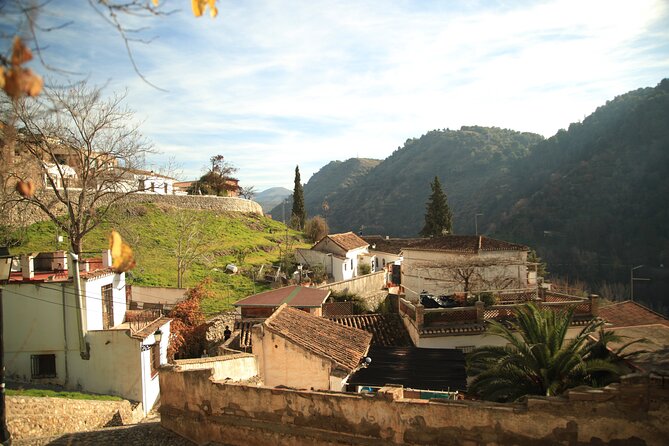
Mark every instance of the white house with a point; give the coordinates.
(54, 337)
(463, 263)
(338, 254)
(148, 182)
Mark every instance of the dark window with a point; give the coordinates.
(155, 359)
(165, 187)
(43, 366)
(107, 307)
(376, 262)
(153, 186)
(142, 186)
(351, 263)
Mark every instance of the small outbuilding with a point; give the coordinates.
(297, 349)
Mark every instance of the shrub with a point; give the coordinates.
(316, 228)
(486, 297)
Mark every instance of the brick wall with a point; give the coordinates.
(203, 410)
(30, 417)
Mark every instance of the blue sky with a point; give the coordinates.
(271, 84)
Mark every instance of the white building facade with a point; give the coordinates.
(80, 344)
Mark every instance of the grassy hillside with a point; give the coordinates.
(153, 231)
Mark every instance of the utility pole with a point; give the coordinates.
(476, 223)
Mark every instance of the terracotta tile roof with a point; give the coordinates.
(387, 329)
(629, 314)
(390, 245)
(344, 346)
(347, 241)
(652, 355)
(88, 275)
(294, 295)
(465, 243)
(149, 329)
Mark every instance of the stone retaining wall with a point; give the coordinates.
(30, 417)
(203, 410)
(23, 214)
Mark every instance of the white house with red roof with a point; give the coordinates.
(81, 341)
(338, 254)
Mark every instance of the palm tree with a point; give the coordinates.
(537, 359)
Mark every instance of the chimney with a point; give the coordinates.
(27, 266)
(106, 258)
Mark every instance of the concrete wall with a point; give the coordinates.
(369, 287)
(282, 363)
(150, 380)
(433, 271)
(26, 215)
(202, 410)
(158, 295)
(92, 289)
(32, 417)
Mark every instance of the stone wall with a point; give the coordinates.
(30, 417)
(203, 410)
(369, 287)
(24, 214)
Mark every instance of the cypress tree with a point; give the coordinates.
(437, 214)
(299, 215)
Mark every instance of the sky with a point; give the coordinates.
(274, 84)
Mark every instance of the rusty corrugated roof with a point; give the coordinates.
(294, 295)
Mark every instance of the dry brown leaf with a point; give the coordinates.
(122, 257)
(26, 188)
(20, 53)
(199, 7)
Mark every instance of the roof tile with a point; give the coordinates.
(345, 346)
(348, 241)
(465, 243)
(294, 295)
(629, 314)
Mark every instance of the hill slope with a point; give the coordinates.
(153, 231)
(328, 184)
(390, 198)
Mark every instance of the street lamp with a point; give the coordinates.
(5, 271)
(157, 336)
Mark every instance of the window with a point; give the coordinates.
(155, 359)
(384, 263)
(376, 262)
(107, 306)
(165, 187)
(43, 366)
(153, 186)
(351, 263)
(142, 186)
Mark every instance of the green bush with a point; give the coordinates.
(486, 297)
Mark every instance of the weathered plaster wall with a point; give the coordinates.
(281, 362)
(25, 214)
(237, 367)
(198, 408)
(369, 287)
(30, 417)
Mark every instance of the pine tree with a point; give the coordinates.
(437, 214)
(299, 215)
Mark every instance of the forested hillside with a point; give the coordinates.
(328, 184)
(593, 198)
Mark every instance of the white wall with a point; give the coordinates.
(151, 384)
(433, 271)
(92, 289)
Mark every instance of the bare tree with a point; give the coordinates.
(247, 192)
(192, 242)
(78, 151)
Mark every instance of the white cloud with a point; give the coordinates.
(273, 84)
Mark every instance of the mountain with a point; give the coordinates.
(390, 198)
(592, 199)
(271, 197)
(328, 184)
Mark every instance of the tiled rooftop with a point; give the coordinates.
(347, 241)
(345, 346)
(294, 295)
(387, 329)
(389, 245)
(629, 313)
(465, 243)
(150, 329)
